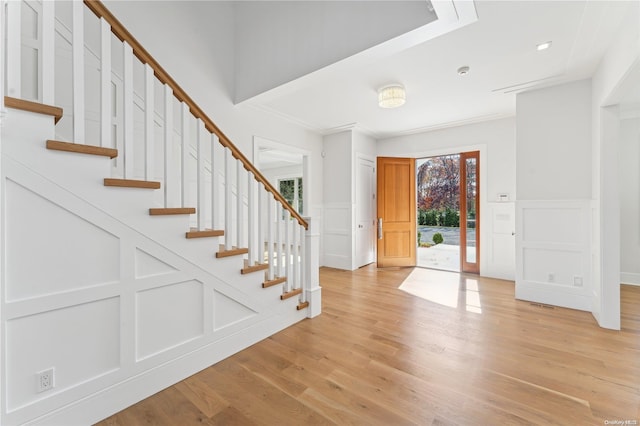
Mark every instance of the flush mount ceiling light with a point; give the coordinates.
(463, 70)
(544, 46)
(391, 96)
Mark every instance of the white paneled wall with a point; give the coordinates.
(553, 257)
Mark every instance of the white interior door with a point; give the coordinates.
(365, 212)
(501, 247)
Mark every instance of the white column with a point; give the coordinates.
(287, 250)
(14, 19)
(200, 179)
(215, 183)
(184, 155)
(261, 192)
(239, 203)
(279, 234)
(128, 111)
(78, 73)
(149, 107)
(271, 207)
(48, 53)
(106, 109)
(311, 279)
(228, 199)
(168, 145)
(295, 282)
(252, 217)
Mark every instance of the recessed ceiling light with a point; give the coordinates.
(543, 46)
(463, 70)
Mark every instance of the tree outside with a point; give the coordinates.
(438, 186)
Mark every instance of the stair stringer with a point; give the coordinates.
(24, 135)
(154, 290)
(124, 358)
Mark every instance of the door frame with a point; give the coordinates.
(482, 148)
(473, 267)
(358, 157)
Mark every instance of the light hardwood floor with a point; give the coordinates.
(379, 355)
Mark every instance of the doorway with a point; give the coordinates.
(448, 208)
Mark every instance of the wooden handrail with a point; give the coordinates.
(141, 53)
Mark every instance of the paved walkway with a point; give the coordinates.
(442, 256)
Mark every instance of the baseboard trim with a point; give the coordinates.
(115, 398)
(630, 278)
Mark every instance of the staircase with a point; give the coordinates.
(139, 245)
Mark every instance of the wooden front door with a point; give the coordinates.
(396, 212)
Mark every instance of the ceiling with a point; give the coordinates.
(500, 49)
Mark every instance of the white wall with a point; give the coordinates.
(609, 84)
(277, 42)
(337, 221)
(553, 153)
(553, 220)
(496, 142)
(630, 201)
(341, 151)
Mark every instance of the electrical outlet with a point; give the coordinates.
(44, 380)
(551, 278)
(577, 281)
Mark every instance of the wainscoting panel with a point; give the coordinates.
(80, 342)
(553, 253)
(51, 249)
(149, 266)
(160, 328)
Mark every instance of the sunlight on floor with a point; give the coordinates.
(444, 288)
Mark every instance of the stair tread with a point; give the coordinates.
(195, 233)
(275, 281)
(253, 268)
(291, 293)
(171, 210)
(235, 251)
(81, 149)
(302, 305)
(132, 183)
(37, 107)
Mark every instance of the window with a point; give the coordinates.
(291, 190)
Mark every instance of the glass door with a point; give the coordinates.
(470, 212)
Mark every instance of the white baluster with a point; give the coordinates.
(271, 207)
(260, 247)
(295, 283)
(149, 132)
(106, 112)
(48, 54)
(2, 62)
(215, 182)
(228, 197)
(78, 74)
(240, 203)
(168, 144)
(301, 280)
(287, 249)
(14, 55)
(252, 217)
(279, 234)
(200, 179)
(184, 155)
(128, 111)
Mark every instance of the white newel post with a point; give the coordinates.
(13, 53)
(311, 281)
(2, 63)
